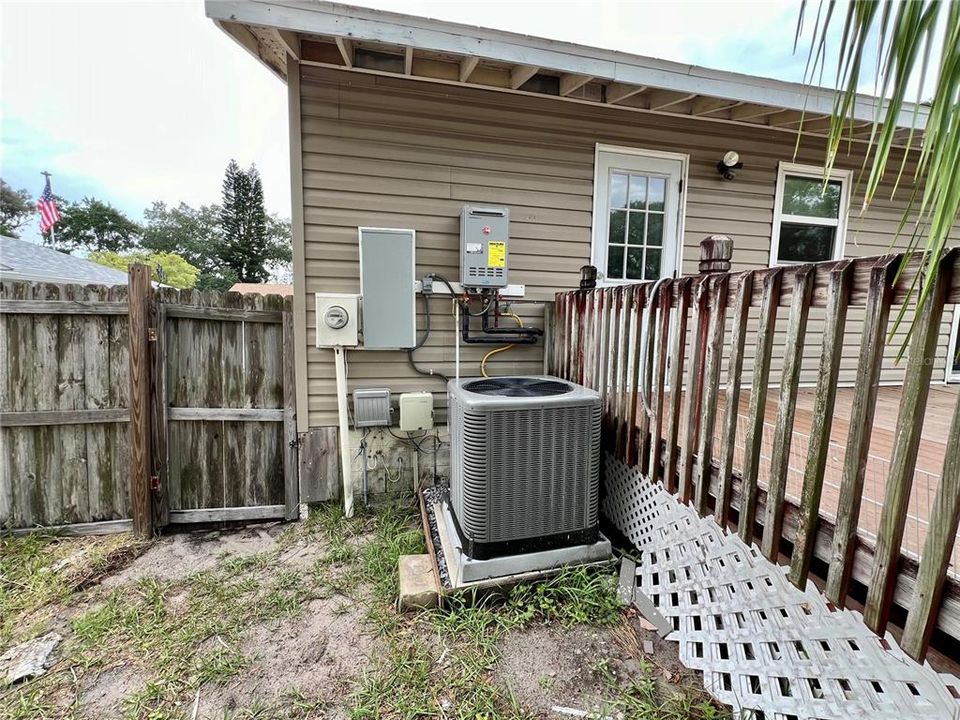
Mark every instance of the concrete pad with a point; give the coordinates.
(419, 586)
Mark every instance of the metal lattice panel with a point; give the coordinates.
(765, 648)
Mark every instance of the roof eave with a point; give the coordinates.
(363, 24)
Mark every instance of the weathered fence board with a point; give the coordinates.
(916, 389)
(758, 401)
(861, 425)
(63, 437)
(837, 297)
(214, 423)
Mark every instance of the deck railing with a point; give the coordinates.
(635, 342)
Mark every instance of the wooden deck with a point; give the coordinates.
(933, 445)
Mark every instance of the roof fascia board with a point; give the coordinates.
(326, 18)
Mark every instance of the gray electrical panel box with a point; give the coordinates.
(371, 407)
(484, 246)
(387, 289)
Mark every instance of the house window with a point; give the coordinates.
(810, 218)
(635, 228)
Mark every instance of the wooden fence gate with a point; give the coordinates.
(138, 407)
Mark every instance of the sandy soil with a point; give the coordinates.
(548, 666)
(316, 653)
(176, 557)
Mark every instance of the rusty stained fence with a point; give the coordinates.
(635, 342)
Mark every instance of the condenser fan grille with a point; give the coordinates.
(518, 387)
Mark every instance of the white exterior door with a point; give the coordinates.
(637, 214)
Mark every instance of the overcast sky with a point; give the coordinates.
(136, 102)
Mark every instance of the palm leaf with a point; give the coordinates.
(908, 34)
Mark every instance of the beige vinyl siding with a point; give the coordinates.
(383, 151)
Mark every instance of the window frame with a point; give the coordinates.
(598, 245)
(952, 376)
(814, 172)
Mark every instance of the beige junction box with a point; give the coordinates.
(416, 411)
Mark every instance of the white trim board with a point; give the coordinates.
(359, 24)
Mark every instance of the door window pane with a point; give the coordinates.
(635, 231)
(638, 192)
(655, 229)
(652, 264)
(618, 190)
(615, 262)
(808, 197)
(806, 243)
(635, 263)
(618, 226)
(657, 188)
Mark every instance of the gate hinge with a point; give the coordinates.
(151, 334)
(154, 482)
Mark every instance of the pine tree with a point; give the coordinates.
(246, 246)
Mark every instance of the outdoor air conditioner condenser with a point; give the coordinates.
(525, 456)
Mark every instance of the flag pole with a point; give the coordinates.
(53, 236)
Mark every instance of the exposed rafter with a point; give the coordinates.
(289, 40)
(618, 92)
(662, 99)
(520, 74)
(708, 105)
(750, 111)
(346, 51)
(467, 66)
(570, 83)
(408, 61)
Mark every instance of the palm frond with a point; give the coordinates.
(908, 35)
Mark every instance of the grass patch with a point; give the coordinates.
(38, 571)
(187, 635)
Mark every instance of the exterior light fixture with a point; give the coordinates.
(729, 165)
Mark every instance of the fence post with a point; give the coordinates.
(715, 254)
(138, 293)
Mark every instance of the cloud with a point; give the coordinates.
(136, 103)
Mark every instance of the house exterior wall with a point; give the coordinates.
(388, 152)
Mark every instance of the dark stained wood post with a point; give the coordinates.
(290, 463)
(139, 292)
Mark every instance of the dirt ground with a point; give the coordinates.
(297, 621)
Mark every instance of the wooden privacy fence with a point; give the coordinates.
(133, 407)
(658, 351)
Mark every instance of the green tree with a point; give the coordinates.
(93, 225)
(905, 37)
(16, 208)
(166, 267)
(195, 233)
(252, 240)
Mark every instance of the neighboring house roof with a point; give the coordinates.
(385, 43)
(22, 260)
(263, 288)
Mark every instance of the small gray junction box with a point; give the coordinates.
(484, 246)
(371, 407)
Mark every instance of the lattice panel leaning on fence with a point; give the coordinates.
(635, 343)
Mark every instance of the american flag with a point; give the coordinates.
(47, 205)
